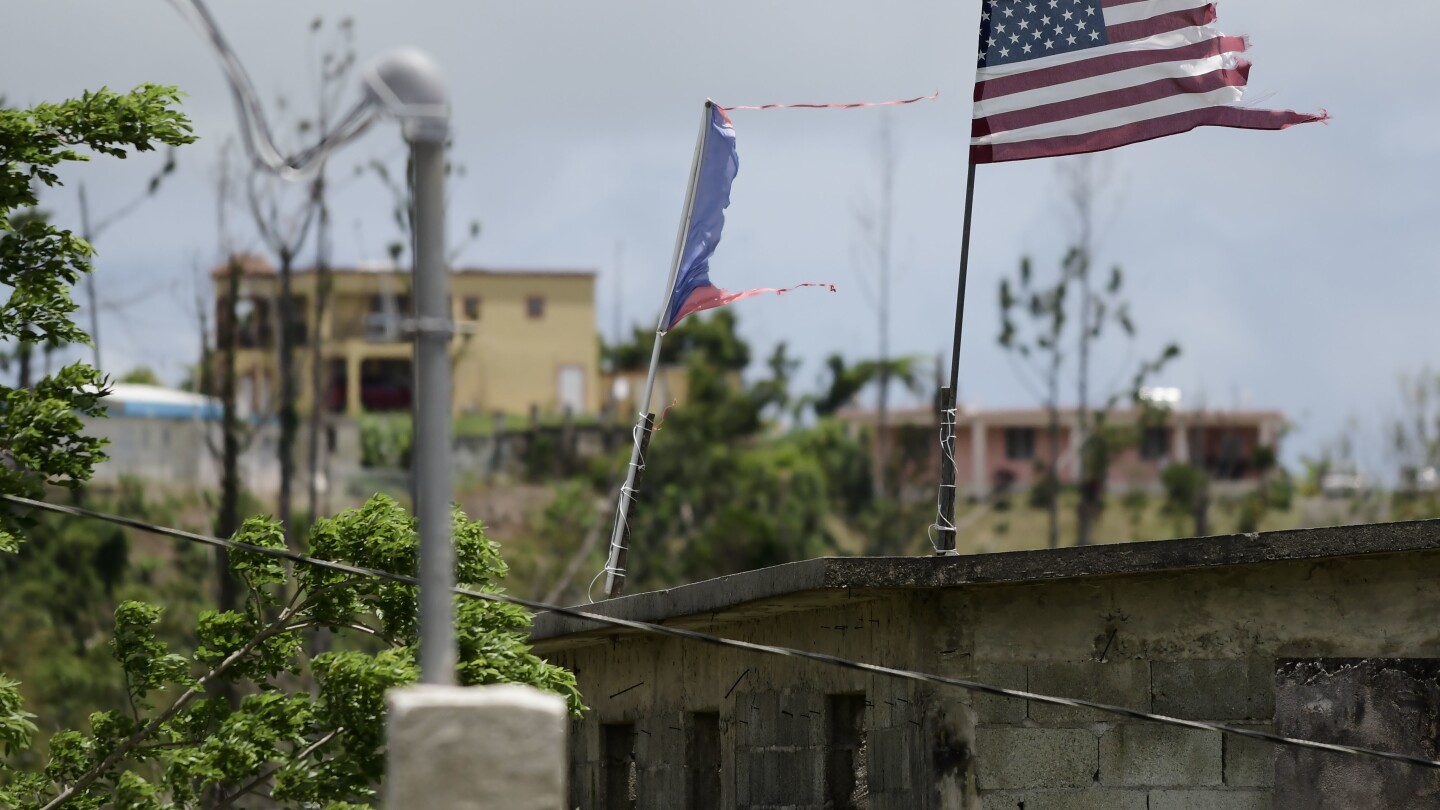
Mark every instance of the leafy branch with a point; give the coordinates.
(294, 749)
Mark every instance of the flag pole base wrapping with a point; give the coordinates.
(944, 528)
(620, 545)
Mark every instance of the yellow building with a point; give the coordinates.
(527, 339)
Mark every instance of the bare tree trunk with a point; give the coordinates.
(23, 352)
(1082, 197)
(1052, 479)
(886, 214)
(319, 641)
(228, 521)
(289, 413)
(1088, 483)
(285, 236)
(1200, 510)
(319, 390)
(90, 292)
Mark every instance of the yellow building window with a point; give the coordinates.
(472, 307)
(535, 306)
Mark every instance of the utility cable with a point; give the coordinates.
(255, 130)
(704, 638)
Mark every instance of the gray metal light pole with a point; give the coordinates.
(408, 85)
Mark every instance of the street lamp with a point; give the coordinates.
(408, 85)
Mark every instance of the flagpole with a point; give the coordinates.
(945, 523)
(619, 536)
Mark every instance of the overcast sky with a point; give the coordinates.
(1297, 269)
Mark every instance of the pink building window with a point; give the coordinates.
(1155, 444)
(1019, 443)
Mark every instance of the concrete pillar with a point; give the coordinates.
(353, 406)
(1267, 433)
(977, 457)
(475, 748)
(1075, 451)
(1180, 440)
(326, 326)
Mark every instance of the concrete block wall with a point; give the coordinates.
(1039, 756)
(774, 715)
(1202, 644)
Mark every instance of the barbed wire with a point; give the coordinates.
(705, 638)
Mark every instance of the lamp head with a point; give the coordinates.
(407, 84)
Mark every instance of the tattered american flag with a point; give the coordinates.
(1062, 77)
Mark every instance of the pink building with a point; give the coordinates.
(1008, 449)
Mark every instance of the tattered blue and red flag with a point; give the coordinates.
(719, 163)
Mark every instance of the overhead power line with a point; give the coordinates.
(705, 638)
(255, 130)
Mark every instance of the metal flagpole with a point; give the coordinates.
(945, 524)
(945, 498)
(619, 548)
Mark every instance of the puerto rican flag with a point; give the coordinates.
(719, 163)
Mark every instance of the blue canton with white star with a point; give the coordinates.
(1019, 30)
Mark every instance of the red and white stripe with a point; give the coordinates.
(1165, 70)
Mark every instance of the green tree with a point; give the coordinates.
(724, 490)
(40, 439)
(1415, 445)
(713, 337)
(845, 381)
(141, 375)
(177, 743)
(1096, 306)
(176, 746)
(1097, 310)
(1186, 487)
(59, 593)
(1032, 328)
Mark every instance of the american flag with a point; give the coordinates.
(1062, 77)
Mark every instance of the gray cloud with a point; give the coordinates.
(1297, 269)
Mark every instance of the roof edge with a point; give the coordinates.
(1012, 567)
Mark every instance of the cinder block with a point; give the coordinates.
(1234, 689)
(661, 787)
(659, 740)
(1249, 763)
(1159, 756)
(893, 704)
(799, 719)
(759, 710)
(993, 709)
(1064, 800)
(1009, 758)
(786, 778)
(1208, 800)
(888, 759)
(1119, 683)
